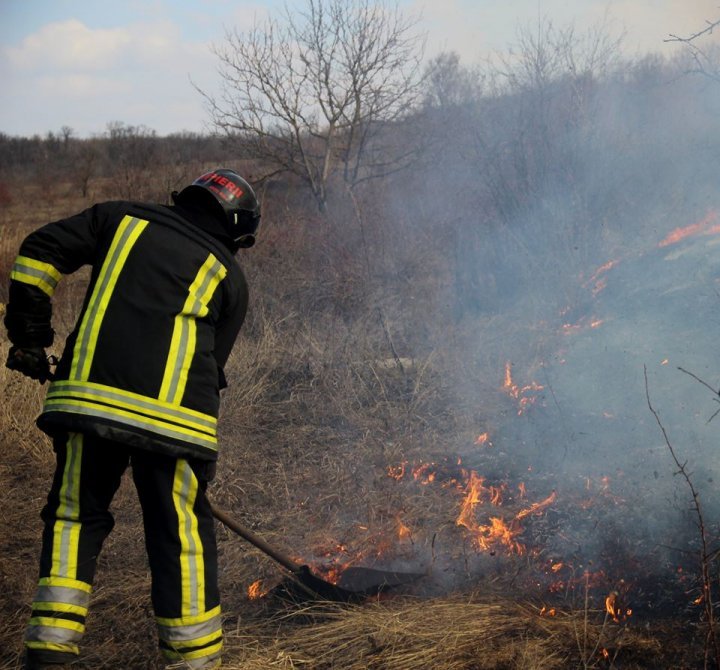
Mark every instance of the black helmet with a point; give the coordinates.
(241, 211)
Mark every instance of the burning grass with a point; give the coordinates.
(341, 452)
(328, 487)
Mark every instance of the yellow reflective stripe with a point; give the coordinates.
(186, 632)
(89, 408)
(59, 607)
(192, 562)
(189, 620)
(198, 641)
(36, 273)
(53, 646)
(183, 342)
(125, 237)
(51, 622)
(113, 397)
(192, 655)
(66, 529)
(64, 582)
(182, 348)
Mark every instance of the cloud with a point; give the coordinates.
(139, 72)
(69, 45)
(78, 86)
(68, 74)
(72, 46)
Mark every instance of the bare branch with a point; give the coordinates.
(703, 61)
(704, 383)
(705, 554)
(314, 91)
(711, 25)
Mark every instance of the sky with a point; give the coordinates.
(83, 64)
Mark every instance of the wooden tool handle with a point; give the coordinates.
(248, 535)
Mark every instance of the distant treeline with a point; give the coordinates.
(563, 148)
(63, 157)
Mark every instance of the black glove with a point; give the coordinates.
(30, 361)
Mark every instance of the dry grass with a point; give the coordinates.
(451, 633)
(317, 410)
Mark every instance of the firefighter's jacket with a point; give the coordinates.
(165, 301)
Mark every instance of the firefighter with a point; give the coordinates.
(137, 385)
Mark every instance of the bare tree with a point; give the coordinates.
(704, 61)
(67, 132)
(448, 83)
(85, 156)
(313, 92)
(131, 151)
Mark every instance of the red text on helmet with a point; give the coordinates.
(228, 190)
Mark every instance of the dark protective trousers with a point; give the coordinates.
(179, 537)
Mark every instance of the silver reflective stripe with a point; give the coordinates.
(125, 237)
(192, 560)
(62, 594)
(89, 409)
(191, 631)
(134, 402)
(188, 494)
(197, 640)
(36, 273)
(182, 331)
(184, 338)
(53, 634)
(59, 601)
(66, 528)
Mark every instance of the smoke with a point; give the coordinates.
(557, 203)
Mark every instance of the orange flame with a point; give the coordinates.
(492, 531)
(396, 472)
(537, 507)
(601, 270)
(615, 607)
(598, 282)
(483, 439)
(256, 590)
(424, 473)
(509, 386)
(519, 393)
(582, 324)
(498, 531)
(703, 226)
(473, 497)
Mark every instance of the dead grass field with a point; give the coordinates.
(318, 409)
